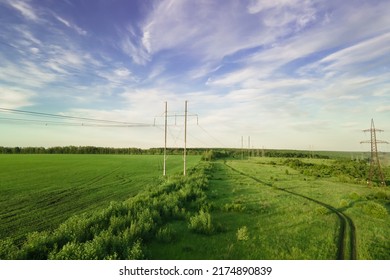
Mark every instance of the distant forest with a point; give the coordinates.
(207, 153)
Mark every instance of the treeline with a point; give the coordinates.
(207, 153)
(95, 150)
(346, 170)
(293, 154)
(123, 230)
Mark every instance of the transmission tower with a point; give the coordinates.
(375, 167)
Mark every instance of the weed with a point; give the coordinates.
(166, 234)
(234, 207)
(242, 234)
(343, 203)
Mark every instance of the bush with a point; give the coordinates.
(144, 224)
(355, 196)
(344, 203)
(37, 246)
(375, 210)
(166, 234)
(234, 207)
(201, 223)
(381, 195)
(8, 250)
(242, 234)
(136, 252)
(71, 251)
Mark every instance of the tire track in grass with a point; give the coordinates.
(347, 227)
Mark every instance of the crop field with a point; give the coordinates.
(38, 192)
(256, 208)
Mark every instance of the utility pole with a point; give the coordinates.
(242, 147)
(185, 137)
(165, 138)
(166, 116)
(375, 166)
(249, 146)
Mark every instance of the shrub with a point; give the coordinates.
(233, 207)
(8, 249)
(355, 196)
(375, 210)
(166, 234)
(136, 252)
(344, 203)
(70, 251)
(76, 228)
(381, 195)
(37, 246)
(201, 223)
(242, 234)
(117, 224)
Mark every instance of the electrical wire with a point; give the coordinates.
(197, 139)
(70, 123)
(211, 136)
(177, 137)
(47, 115)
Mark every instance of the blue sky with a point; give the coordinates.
(293, 74)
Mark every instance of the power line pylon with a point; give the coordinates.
(375, 167)
(166, 116)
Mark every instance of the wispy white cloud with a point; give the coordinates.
(122, 72)
(382, 91)
(348, 97)
(24, 8)
(359, 58)
(385, 108)
(309, 126)
(157, 71)
(131, 45)
(12, 98)
(209, 32)
(234, 78)
(71, 25)
(26, 34)
(297, 13)
(117, 77)
(26, 74)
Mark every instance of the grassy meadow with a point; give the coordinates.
(120, 207)
(263, 209)
(366, 209)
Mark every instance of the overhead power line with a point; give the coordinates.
(46, 122)
(98, 122)
(211, 136)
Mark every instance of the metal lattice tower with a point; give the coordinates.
(375, 167)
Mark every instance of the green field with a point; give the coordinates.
(286, 215)
(38, 192)
(257, 208)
